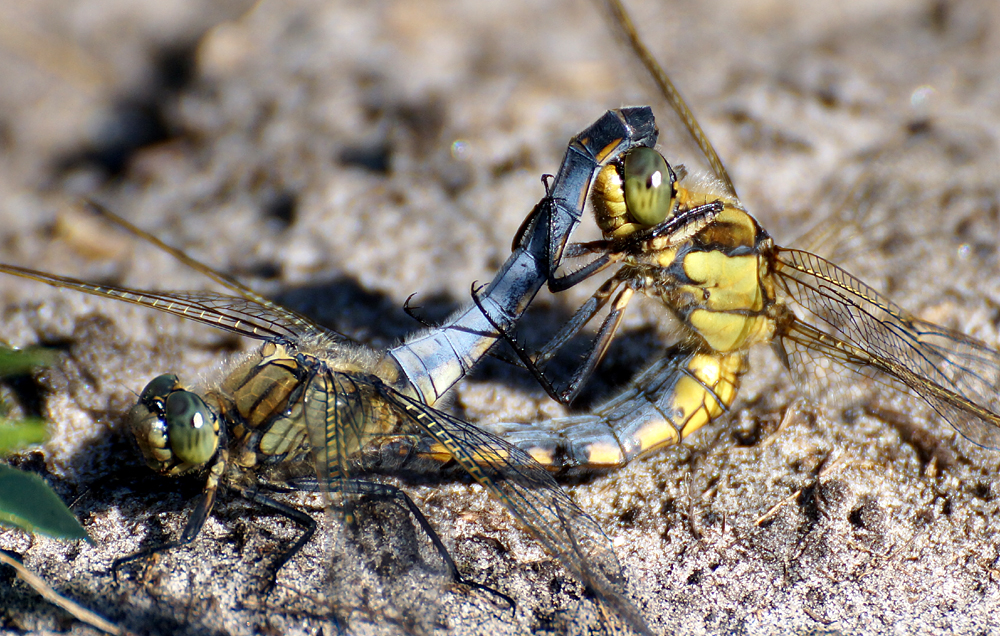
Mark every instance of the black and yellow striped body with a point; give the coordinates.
(717, 283)
(261, 400)
(660, 407)
(280, 406)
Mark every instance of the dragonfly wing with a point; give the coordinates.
(241, 316)
(379, 572)
(334, 414)
(958, 376)
(534, 498)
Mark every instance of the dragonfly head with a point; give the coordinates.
(175, 429)
(635, 193)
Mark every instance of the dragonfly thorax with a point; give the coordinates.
(717, 282)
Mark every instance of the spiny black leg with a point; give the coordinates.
(601, 342)
(577, 276)
(290, 513)
(195, 522)
(594, 356)
(522, 231)
(522, 353)
(391, 493)
(194, 525)
(439, 546)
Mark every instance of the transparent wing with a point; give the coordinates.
(241, 316)
(958, 376)
(343, 414)
(533, 497)
(379, 574)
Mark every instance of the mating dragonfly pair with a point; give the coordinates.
(311, 410)
(309, 406)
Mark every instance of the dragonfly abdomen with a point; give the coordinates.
(667, 402)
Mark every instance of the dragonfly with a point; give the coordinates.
(310, 406)
(730, 288)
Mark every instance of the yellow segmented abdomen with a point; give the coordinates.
(669, 401)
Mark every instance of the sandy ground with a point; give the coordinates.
(341, 156)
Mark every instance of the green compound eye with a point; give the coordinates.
(649, 186)
(159, 388)
(191, 427)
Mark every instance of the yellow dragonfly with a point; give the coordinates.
(730, 287)
(309, 407)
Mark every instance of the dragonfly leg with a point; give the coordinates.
(394, 493)
(297, 516)
(195, 522)
(558, 283)
(387, 492)
(522, 236)
(600, 345)
(411, 311)
(574, 325)
(583, 315)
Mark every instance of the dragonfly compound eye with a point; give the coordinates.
(649, 186)
(174, 429)
(192, 428)
(158, 389)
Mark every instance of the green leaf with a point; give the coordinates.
(15, 434)
(27, 502)
(17, 362)
(20, 433)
